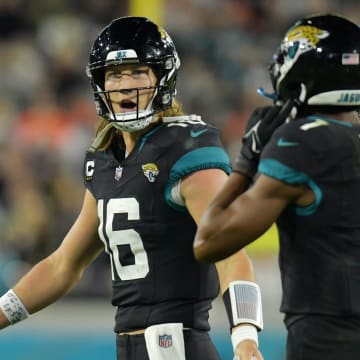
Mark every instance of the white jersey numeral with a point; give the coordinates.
(183, 121)
(116, 238)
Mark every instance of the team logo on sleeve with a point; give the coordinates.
(151, 171)
(196, 134)
(284, 143)
(165, 341)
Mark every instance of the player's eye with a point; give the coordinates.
(140, 71)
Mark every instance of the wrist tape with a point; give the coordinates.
(244, 332)
(13, 308)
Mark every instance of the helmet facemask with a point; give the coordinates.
(128, 121)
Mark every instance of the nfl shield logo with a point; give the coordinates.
(118, 173)
(165, 341)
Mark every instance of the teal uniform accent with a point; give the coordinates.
(147, 135)
(330, 120)
(211, 157)
(283, 143)
(281, 172)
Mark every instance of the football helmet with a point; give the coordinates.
(320, 53)
(134, 40)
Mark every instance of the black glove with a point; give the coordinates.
(259, 128)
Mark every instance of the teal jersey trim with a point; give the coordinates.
(147, 135)
(281, 172)
(330, 120)
(211, 157)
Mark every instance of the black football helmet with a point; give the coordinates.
(320, 53)
(134, 40)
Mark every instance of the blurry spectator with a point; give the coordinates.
(12, 21)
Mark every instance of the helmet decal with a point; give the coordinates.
(304, 37)
(298, 40)
(163, 33)
(121, 55)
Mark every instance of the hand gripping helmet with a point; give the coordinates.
(134, 40)
(320, 53)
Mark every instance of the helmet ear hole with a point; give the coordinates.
(166, 99)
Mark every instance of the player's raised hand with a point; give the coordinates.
(261, 125)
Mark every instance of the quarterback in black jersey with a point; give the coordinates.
(146, 228)
(308, 183)
(149, 174)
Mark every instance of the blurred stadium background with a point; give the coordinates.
(47, 119)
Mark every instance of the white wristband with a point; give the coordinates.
(244, 332)
(13, 308)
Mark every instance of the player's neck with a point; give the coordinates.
(131, 138)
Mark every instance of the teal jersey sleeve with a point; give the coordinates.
(210, 157)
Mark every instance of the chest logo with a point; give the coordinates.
(151, 171)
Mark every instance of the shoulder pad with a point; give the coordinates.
(183, 120)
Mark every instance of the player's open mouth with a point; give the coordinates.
(128, 105)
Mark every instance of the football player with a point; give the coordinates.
(308, 183)
(149, 174)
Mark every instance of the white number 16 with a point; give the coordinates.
(129, 206)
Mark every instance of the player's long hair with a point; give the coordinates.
(114, 136)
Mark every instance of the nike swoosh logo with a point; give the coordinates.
(195, 134)
(283, 143)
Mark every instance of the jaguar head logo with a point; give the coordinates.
(298, 40)
(301, 39)
(150, 171)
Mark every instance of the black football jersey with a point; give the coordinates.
(320, 243)
(146, 229)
